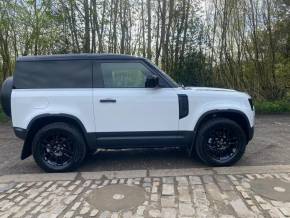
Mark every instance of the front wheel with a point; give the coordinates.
(58, 147)
(220, 142)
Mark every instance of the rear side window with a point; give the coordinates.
(124, 75)
(53, 74)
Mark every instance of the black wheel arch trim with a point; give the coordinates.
(214, 113)
(61, 117)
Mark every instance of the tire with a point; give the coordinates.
(220, 142)
(58, 147)
(6, 91)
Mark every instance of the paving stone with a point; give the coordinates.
(84, 210)
(285, 211)
(94, 212)
(186, 209)
(76, 206)
(168, 180)
(275, 213)
(233, 178)
(114, 181)
(114, 174)
(140, 210)
(154, 213)
(167, 189)
(169, 212)
(37, 177)
(226, 216)
(267, 176)
(36, 209)
(253, 169)
(224, 183)
(146, 184)
(180, 172)
(115, 215)
(214, 192)
(246, 185)
(154, 188)
(181, 196)
(69, 214)
(255, 209)
(241, 209)
(128, 214)
(245, 195)
(194, 180)
(147, 180)
(266, 206)
(70, 199)
(260, 199)
(250, 176)
(168, 201)
(250, 202)
(208, 179)
(105, 214)
(154, 197)
(182, 181)
(184, 195)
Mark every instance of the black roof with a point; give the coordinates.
(82, 56)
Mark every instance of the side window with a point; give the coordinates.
(53, 74)
(124, 75)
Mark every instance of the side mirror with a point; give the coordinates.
(152, 81)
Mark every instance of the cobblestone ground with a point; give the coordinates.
(209, 195)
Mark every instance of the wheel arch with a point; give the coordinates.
(238, 116)
(44, 119)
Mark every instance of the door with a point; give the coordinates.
(123, 106)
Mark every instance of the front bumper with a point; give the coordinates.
(251, 133)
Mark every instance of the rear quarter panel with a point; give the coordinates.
(29, 103)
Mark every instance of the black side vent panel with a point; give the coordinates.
(183, 105)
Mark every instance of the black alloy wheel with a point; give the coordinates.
(220, 142)
(58, 147)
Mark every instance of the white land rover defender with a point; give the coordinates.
(67, 105)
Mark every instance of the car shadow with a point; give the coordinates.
(138, 159)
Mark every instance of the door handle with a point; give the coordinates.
(108, 100)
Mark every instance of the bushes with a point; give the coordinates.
(281, 106)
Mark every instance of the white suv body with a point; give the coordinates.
(118, 101)
(141, 109)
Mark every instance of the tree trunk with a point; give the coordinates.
(87, 27)
(164, 59)
(162, 34)
(149, 53)
(143, 30)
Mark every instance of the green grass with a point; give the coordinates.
(281, 106)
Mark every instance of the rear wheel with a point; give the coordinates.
(58, 147)
(220, 142)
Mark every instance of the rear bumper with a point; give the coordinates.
(20, 133)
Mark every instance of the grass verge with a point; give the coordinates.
(281, 106)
